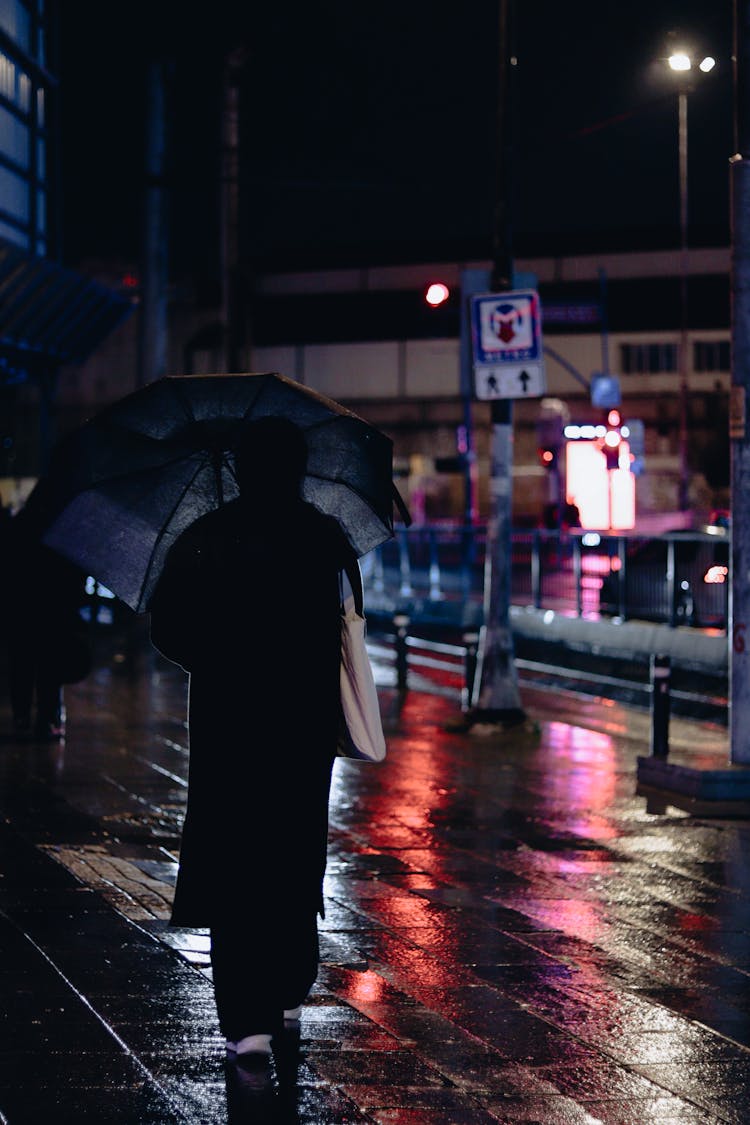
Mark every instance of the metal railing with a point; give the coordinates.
(681, 578)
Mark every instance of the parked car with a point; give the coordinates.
(698, 595)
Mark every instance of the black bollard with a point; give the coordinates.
(401, 623)
(661, 673)
(471, 641)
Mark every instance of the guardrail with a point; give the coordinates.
(449, 669)
(681, 578)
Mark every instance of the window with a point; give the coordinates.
(15, 84)
(14, 235)
(711, 355)
(15, 21)
(14, 138)
(648, 359)
(14, 197)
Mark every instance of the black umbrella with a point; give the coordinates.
(122, 487)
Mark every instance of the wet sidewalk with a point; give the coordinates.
(510, 935)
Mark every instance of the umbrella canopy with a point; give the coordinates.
(122, 488)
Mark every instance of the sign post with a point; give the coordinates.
(508, 364)
(495, 699)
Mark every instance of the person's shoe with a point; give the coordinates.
(254, 1071)
(292, 1015)
(254, 1045)
(230, 1046)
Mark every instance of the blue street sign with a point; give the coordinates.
(507, 345)
(605, 390)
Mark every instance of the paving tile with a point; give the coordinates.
(601, 1079)
(510, 935)
(552, 1110)
(417, 1107)
(703, 1081)
(91, 1104)
(635, 1111)
(374, 1068)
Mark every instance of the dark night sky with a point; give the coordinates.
(368, 130)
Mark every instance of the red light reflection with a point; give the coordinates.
(367, 987)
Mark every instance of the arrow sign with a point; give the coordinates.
(512, 382)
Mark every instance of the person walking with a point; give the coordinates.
(249, 604)
(46, 637)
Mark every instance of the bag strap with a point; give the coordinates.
(354, 574)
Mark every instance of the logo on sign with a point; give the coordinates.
(507, 327)
(505, 321)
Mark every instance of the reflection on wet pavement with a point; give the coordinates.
(509, 936)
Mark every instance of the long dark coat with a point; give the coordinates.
(252, 612)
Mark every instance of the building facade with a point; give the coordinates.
(368, 338)
(50, 317)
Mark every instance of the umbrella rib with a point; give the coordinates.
(180, 394)
(163, 530)
(130, 473)
(343, 482)
(348, 486)
(336, 408)
(331, 420)
(264, 384)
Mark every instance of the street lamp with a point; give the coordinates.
(682, 64)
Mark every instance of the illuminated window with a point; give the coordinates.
(15, 85)
(7, 76)
(23, 92)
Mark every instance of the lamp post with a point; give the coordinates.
(681, 63)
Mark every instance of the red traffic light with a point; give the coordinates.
(547, 457)
(436, 294)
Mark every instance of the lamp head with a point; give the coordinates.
(680, 61)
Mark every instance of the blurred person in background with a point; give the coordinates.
(47, 645)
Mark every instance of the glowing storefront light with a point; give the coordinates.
(605, 498)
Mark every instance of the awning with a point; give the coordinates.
(50, 316)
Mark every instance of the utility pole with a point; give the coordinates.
(682, 130)
(232, 311)
(496, 699)
(739, 612)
